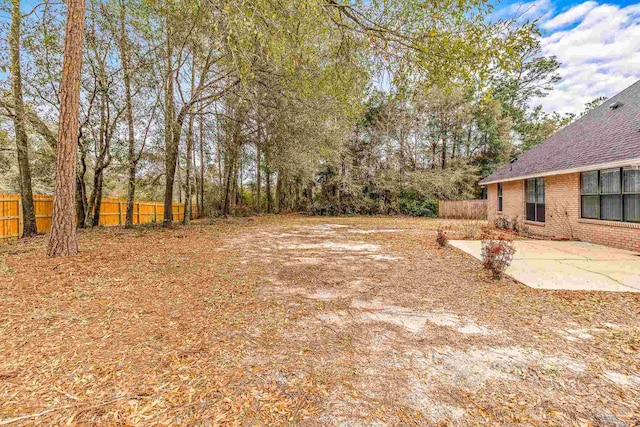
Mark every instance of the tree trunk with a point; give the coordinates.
(186, 220)
(201, 209)
(63, 240)
(309, 193)
(240, 200)
(268, 172)
(22, 143)
(187, 194)
(403, 149)
(196, 174)
(103, 160)
(171, 149)
(443, 157)
(179, 177)
(237, 182)
(454, 148)
(433, 154)
(258, 180)
(219, 158)
(99, 181)
(279, 193)
(228, 166)
(81, 188)
(124, 49)
(80, 201)
(131, 194)
(91, 204)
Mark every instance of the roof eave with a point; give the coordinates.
(617, 163)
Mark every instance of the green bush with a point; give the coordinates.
(502, 223)
(241, 211)
(322, 209)
(416, 207)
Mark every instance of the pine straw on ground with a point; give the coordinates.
(302, 321)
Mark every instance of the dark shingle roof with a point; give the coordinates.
(604, 135)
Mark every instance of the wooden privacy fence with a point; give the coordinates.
(462, 209)
(112, 212)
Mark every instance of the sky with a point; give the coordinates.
(597, 42)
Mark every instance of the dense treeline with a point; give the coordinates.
(267, 106)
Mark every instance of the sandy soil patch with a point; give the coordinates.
(303, 321)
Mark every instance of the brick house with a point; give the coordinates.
(581, 183)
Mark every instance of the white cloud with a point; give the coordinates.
(600, 53)
(570, 16)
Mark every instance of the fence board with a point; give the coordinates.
(9, 216)
(43, 206)
(113, 212)
(462, 209)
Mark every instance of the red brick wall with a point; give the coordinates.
(562, 199)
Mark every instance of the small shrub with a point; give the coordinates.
(518, 226)
(321, 209)
(471, 230)
(241, 211)
(442, 238)
(502, 223)
(417, 207)
(497, 255)
(505, 223)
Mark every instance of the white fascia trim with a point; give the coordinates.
(617, 164)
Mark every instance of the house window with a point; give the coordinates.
(611, 194)
(631, 194)
(499, 197)
(535, 200)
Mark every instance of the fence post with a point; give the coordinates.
(20, 218)
(155, 213)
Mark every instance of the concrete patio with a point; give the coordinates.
(562, 265)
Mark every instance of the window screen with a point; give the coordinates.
(535, 207)
(631, 194)
(611, 194)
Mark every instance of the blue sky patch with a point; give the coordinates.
(598, 44)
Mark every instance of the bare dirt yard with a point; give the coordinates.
(303, 321)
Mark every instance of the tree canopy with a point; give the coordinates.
(251, 106)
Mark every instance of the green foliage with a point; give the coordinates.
(538, 126)
(412, 206)
(322, 209)
(292, 83)
(593, 105)
(502, 223)
(455, 182)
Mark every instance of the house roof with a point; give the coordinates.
(605, 137)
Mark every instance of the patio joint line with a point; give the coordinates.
(601, 274)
